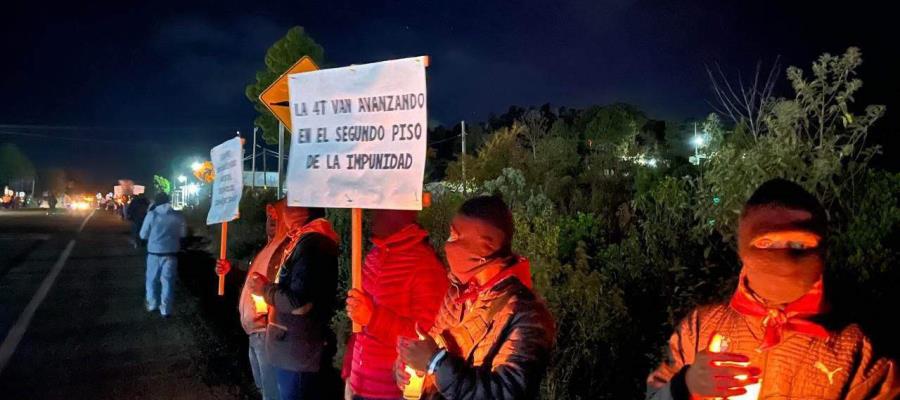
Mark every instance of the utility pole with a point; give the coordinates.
(698, 141)
(265, 169)
(696, 145)
(463, 156)
(253, 162)
(280, 155)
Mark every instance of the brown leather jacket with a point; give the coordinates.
(841, 366)
(499, 356)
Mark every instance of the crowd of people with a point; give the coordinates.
(474, 327)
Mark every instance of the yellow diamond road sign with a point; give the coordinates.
(276, 98)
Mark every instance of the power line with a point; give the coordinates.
(113, 128)
(44, 136)
(444, 139)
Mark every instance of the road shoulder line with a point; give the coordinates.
(17, 332)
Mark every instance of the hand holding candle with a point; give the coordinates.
(417, 353)
(718, 374)
(257, 283)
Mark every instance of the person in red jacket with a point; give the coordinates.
(403, 283)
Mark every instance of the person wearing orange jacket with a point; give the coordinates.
(769, 341)
(403, 283)
(253, 311)
(299, 301)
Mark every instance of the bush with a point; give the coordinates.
(621, 251)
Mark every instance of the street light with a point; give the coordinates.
(698, 141)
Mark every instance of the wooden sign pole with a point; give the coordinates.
(356, 254)
(222, 249)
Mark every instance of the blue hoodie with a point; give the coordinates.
(163, 229)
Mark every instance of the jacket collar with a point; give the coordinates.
(410, 235)
(319, 225)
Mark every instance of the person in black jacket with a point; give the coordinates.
(493, 335)
(302, 302)
(135, 212)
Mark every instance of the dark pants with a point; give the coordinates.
(293, 385)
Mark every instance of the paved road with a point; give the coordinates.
(71, 313)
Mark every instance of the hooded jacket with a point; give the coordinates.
(498, 342)
(163, 229)
(773, 317)
(406, 282)
(308, 274)
(839, 365)
(266, 262)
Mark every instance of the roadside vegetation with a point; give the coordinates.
(629, 222)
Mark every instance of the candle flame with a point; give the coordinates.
(719, 344)
(259, 304)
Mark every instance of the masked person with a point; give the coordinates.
(301, 303)
(253, 309)
(163, 228)
(766, 342)
(493, 336)
(403, 283)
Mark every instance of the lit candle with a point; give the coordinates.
(413, 390)
(720, 344)
(259, 303)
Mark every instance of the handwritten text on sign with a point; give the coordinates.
(359, 136)
(227, 159)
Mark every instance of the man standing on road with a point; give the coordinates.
(301, 301)
(253, 309)
(163, 229)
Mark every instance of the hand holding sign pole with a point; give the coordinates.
(358, 140)
(228, 163)
(223, 246)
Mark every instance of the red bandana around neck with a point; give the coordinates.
(791, 318)
(521, 270)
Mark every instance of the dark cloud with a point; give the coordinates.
(168, 78)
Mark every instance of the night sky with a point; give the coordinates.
(135, 87)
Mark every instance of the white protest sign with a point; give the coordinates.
(227, 159)
(359, 135)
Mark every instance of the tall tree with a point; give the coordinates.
(283, 53)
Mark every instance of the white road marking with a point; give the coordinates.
(17, 332)
(83, 223)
